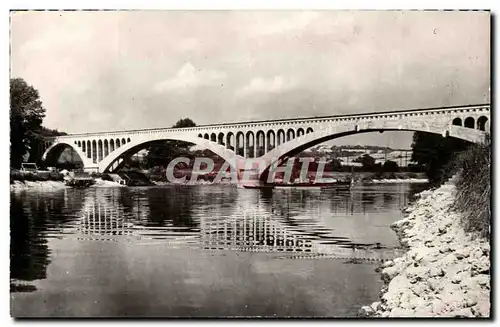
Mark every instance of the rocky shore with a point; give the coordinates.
(445, 271)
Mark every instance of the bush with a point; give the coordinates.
(473, 198)
(391, 166)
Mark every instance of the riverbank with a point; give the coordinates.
(55, 185)
(396, 181)
(445, 272)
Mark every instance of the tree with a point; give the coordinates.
(162, 152)
(336, 164)
(367, 161)
(36, 143)
(26, 116)
(434, 153)
(391, 166)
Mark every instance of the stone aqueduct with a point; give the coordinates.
(271, 140)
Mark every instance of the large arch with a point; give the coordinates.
(56, 149)
(298, 145)
(140, 142)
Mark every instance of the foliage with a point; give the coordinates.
(26, 116)
(335, 164)
(36, 143)
(367, 161)
(473, 197)
(162, 152)
(435, 152)
(391, 166)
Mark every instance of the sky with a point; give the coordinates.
(105, 71)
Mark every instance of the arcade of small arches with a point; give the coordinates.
(254, 145)
(469, 122)
(97, 150)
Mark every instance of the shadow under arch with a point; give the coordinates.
(53, 153)
(307, 141)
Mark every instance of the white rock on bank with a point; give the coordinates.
(39, 186)
(99, 182)
(445, 271)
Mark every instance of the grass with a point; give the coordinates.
(473, 197)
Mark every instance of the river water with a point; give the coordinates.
(201, 251)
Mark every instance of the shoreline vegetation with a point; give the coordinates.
(446, 269)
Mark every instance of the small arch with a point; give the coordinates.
(99, 150)
(309, 130)
(89, 150)
(206, 136)
(250, 144)
(469, 122)
(200, 135)
(123, 141)
(260, 143)
(118, 144)
(240, 143)
(457, 122)
(300, 132)
(79, 144)
(482, 123)
(111, 145)
(213, 137)
(281, 137)
(106, 148)
(290, 134)
(220, 138)
(230, 142)
(271, 140)
(84, 147)
(94, 151)
(128, 140)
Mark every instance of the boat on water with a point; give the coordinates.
(313, 185)
(79, 180)
(325, 183)
(257, 186)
